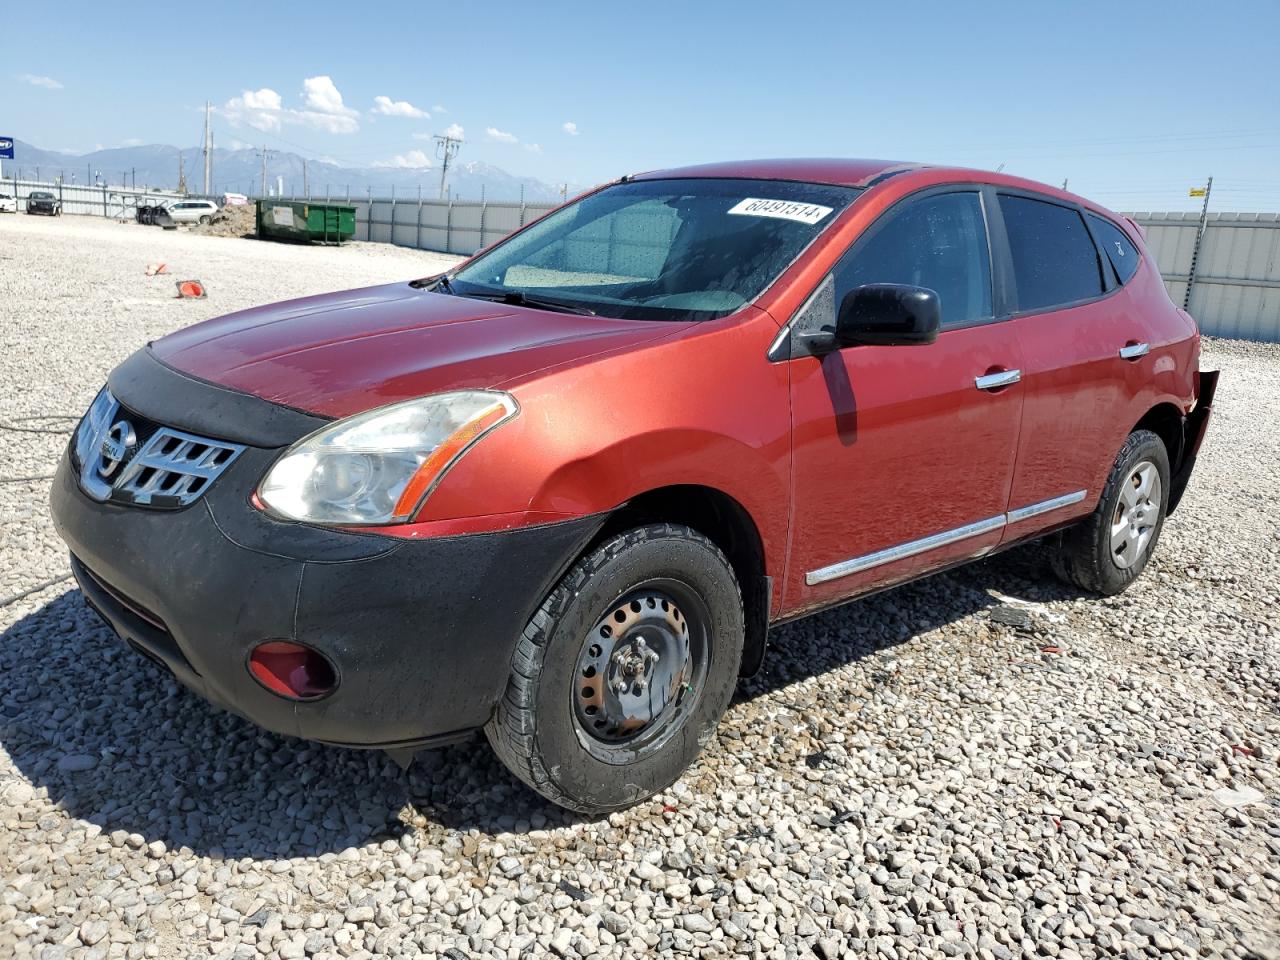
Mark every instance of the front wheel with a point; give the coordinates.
(1106, 551)
(204, 220)
(623, 673)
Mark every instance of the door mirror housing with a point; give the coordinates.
(888, 315)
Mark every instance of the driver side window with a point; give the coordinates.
(938, 242)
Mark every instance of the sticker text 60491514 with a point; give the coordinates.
(809, 213)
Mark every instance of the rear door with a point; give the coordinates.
(1071, 330)
(903, 455)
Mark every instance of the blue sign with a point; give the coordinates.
(6, 148)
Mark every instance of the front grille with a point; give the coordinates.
(173, 468)
(123, 457)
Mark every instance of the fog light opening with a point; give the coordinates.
(292, 671)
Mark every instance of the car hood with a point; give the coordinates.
(341, 353)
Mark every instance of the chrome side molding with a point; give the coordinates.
(913, 547)
(1044, 506)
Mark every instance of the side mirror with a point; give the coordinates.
(888, 315)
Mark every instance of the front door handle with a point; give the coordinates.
(1132, 351)
(994, 381)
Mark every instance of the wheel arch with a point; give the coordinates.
(730, 526)
(1166, 421)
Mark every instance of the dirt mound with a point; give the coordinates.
(230, 221)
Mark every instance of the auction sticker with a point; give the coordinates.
(809, 213)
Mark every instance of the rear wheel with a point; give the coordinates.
(623, 673)
(1107, 551)
(205, 219)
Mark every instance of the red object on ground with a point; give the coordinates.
(191, 290)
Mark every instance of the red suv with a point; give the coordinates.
(562, 492)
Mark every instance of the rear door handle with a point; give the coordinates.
(1132, 351)
(994, 381)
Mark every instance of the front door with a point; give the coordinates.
(904, 455)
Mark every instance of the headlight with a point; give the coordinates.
(378, 467)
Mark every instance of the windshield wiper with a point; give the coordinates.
(518, 298)
(441, 283)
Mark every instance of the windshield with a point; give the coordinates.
(41, 196)
(691, 249)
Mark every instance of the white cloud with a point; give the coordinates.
(37, 81)
(398, 108)
(500, 136)
(453, 130)
(321, 95)
(533, 147)
(570, 128)
(259, 109)
(323, 109)
(439, 109)
(412, 160)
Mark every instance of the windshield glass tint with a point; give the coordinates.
(660, 249)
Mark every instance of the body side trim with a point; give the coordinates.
(903, 550)
(913, 547)
(1044, 506)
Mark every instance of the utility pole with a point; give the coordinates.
(264, 170)
(182, 175)
(446, 149)
(208, 149)
(306, 186)
(1064, 183)
(1195, 250)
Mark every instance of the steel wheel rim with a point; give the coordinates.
(640, 670)
(1136, 515)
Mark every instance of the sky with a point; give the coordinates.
(1132, 102)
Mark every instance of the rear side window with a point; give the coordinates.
(1054, 259)
(1119, 248)
(939, 242)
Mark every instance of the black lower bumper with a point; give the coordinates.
(421, 632)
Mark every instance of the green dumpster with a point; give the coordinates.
(305, 221)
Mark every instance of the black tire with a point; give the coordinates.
(537, 729)
(204, 220)
(1085, 555)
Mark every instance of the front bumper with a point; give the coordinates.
(421, 632)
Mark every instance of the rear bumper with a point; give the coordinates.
(1194, 428)
(421, 632)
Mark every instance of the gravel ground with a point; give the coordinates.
(910, 776)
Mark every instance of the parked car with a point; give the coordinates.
(8, 203)
(562, 492)
(41, 201)
(234, 200)
(192, 211)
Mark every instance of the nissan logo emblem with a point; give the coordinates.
(119, 441)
